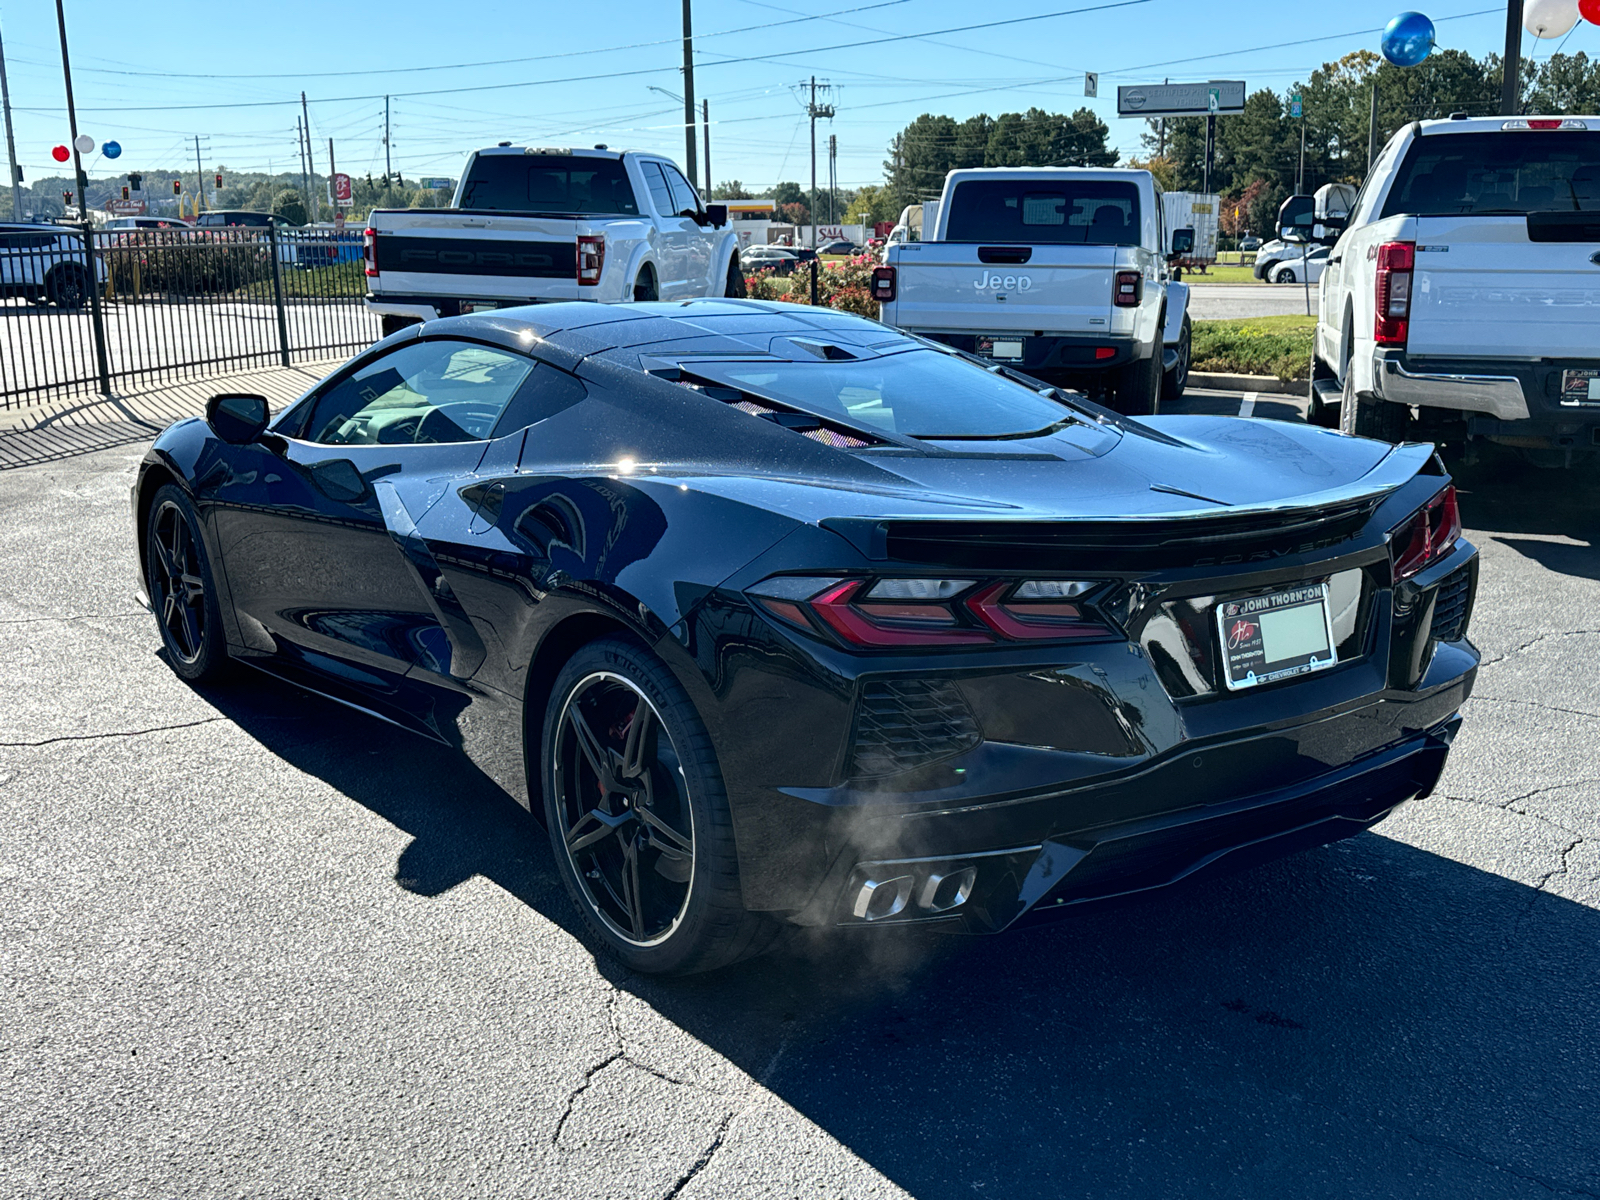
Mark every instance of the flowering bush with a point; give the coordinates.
(766, 285)
(845, 285)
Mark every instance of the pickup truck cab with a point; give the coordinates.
(1462, 300)
(1061, 272)
(531, 225)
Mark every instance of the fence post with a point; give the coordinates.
(277, 294)
(96, 318)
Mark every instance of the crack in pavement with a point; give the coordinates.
(1551, 1185)
(701, 1163)
(75, 617)
(1534, 641)
(121, 733)
(1576, 712)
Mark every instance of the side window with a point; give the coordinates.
(684, 198)
(660, 193)
(544, 393)
(433, 391)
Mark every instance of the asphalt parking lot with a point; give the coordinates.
(254, 945)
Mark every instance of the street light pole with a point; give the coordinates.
(92, 283)
(11, 144)
(688, 94)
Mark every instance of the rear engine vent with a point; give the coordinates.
(803, 423)
(1451, 607)
(906, 723)
(1125, 545)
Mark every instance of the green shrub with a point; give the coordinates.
(1279, 346)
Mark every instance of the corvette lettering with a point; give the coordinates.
(1006, 283)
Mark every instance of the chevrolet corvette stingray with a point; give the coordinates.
(776, 615)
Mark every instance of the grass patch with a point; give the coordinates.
(1279, 346)
(1221, 274)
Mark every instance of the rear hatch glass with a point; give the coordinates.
(548, 185)
(1062, 212)
(1498, 173)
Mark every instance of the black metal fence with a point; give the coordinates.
(81, 310)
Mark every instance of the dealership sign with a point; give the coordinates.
(341, 189)
(1216, 98)
(127, 208)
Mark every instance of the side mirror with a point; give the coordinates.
(717, 214)
(1296, 217)
(1182, 242)
(238, 418)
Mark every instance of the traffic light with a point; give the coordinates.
(218, 178)
(125, 191)
(177, 187)
(136, 182)
(66, 198)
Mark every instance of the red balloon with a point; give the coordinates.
(61, 154)
(1589, 10)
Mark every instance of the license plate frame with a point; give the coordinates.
(1243, 634)
(1580, 387)
(1002, 349)
(468, 307)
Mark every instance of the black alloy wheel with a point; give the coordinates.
(182, 594)
(1365, 415)
(644, 287)
(638, 818)
(68, 286)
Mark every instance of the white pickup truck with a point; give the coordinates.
(1061, 272)
(530, 225)
(1462, 299)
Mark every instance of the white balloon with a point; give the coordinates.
(1550, 18)
(85, 143)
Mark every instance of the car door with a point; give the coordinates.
(672, 278)
(315, 527)
(699, 241)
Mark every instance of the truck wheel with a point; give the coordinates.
(1364, 415)
(1138, 388)
(644, 287)
(1174, 381)
(735, 289)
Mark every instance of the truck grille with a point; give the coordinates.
(1452, 605)
(906, 723)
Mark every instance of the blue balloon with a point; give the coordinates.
(111, 149)
(1407, 39)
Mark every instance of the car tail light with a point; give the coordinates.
(1393, 299)
(591, 258)
(883, 285)
(1426, 535)
(891, 613)
(369, 251)
(1129, 289)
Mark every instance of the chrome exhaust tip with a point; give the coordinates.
(877, 899)
(942, 892)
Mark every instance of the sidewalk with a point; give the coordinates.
(82, 425)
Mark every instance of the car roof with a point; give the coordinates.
(1500, 124)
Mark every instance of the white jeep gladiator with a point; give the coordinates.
(1061, 272)
(1462, 300)
(530, 225)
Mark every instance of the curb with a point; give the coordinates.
(1247, 383)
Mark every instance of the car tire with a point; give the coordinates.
(182, 588)
(1362, 414)
(644, 287)
(1286, 275)
(735, 289)
(68, 286)
(1138, 386)
(1174, 381)
(623, 870)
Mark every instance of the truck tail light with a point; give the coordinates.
(1426, 535)
(369, 251)
(591, 258)
(883, 285)
(1393, 300)
(1129, 290)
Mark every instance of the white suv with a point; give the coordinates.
(1463, 299)
(46, 262)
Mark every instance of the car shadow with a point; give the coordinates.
(1523, 506)
(1366, 1019)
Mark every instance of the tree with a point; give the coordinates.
(732, 190)
(1163, 170)
(876, 203)
(796, 213)
(786, 193)
(288, 205)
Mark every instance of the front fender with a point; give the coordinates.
(1177, 310)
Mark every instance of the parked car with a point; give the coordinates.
(532, 225)
(1270, 255)
(125, 224)
(1062, 272)
(963, 650)
(47, 262)
(1457, 290)
(779, 259)
(1250, 243)
(1298, 270)
(238, 217)
(839, 246)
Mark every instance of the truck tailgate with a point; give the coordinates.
(946, 286)
(476, 255)
(1483, 288)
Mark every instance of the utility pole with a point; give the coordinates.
(1511, 78)
(11, 143)
(83, 211)
(199, 179)
(705, 126)
(311, 161)
(833, 173)
(815, 110)
(300, 145)
(1372, 125)
(386, 164)
(688, 94)
(332, 199)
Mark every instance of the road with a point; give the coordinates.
(255, 945)
(1233, 301)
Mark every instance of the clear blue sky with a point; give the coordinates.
(140, 70)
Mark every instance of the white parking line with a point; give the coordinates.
(1247, 406)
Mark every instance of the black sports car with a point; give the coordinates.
(775, 614)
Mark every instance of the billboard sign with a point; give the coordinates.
(341, 189)
(438, 184)
(1219, 97)
(126, 208)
